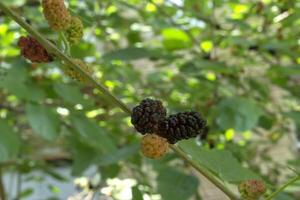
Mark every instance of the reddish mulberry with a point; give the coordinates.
(33, 50)
(252, 189)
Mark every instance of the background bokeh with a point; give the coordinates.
(235, 62)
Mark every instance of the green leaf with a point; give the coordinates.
(82, 154)
(282, 46)
(130, 53)
(194, 68)
(26, 91)
(93, 134)
(295, 115)
(26, 193)
(137, 194)
(43, 120)
(14, 3)
(21, 87)
(284, 70)
(9, 142)
(83, 49)
(110, 171)
(175, 185)
(71, 94)
(54, 174)
(220, 162)
(118, 155)
(238, 113)
(174, 39)
(284, 196)
(135, 53)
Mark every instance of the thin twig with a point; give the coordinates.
(68, 61)
(53, 49)
(207, 174)
(291, 181)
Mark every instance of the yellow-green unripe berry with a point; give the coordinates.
(72, 73)
(57, 14)
(154, 146)
(75, 32)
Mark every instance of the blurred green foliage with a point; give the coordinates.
(236, 62)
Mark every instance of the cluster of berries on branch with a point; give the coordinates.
(150, 118)
(59, 19)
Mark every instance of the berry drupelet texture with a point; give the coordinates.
(252, 189)
(33, 50)
(147, 115)
(75, 32)
(181, 126)
(72, 73)
(154, 146)
(56, 14)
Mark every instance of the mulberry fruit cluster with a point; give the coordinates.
(252, 189)
(150, 117)
(154, 146)
(180, 126)
(147, 116)
(33, 50)
(72, 73)
(75, 32)
(56, 14)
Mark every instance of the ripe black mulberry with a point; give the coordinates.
(147, 115)
(181, 126)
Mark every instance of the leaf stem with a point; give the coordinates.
(291, 181)
(65, 42)
(67, 60)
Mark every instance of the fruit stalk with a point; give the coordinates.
(291, 181)
(207, 174)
